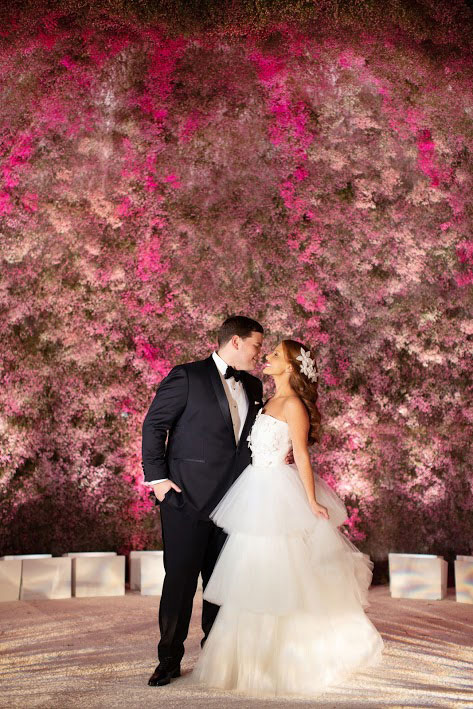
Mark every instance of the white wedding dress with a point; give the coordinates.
(290, 585)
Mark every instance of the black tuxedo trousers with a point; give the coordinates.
(188, 437)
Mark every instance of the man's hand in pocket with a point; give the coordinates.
(160, 489)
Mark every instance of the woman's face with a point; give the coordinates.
(276, 362)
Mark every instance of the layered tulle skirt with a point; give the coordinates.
(291, 588)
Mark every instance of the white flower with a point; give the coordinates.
(308, 365)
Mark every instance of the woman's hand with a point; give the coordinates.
(319, 510)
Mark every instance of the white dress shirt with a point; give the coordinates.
(236, 395)
(237, 401)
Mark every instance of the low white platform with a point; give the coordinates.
(96, 574)
(147, 573)
(151, 574)
(76, 554)
(135, 566)
(421, 576)
(10, 579)
(11, 557)
(45, 578)
(464, 579)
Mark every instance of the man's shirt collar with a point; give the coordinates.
(221, 364)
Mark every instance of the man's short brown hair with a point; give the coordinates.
(237, 325)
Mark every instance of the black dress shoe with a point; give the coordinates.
(163, 674)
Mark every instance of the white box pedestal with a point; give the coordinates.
(10, 579)
(76, 554)
(95, 574)
(464, 579)
(147, 573)
(422, 576)
(151, 574)
(135, 565)
(11, 557)
(45, 578)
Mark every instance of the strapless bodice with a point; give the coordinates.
(269, 440)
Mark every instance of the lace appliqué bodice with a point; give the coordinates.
(269, 440)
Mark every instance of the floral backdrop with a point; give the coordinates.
(313, 173)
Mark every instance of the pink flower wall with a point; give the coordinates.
(152, 184)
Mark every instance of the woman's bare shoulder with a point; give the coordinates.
(293, 406)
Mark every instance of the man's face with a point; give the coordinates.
(248, 351)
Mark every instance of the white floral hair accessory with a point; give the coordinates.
(308, 365)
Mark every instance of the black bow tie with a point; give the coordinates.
(232, 372)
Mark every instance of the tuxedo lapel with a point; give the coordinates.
(220, 394)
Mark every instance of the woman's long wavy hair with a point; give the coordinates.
(304, 388)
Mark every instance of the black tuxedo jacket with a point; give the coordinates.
(190, 410)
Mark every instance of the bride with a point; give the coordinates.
(291, 586)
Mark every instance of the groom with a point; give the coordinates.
(194, 447)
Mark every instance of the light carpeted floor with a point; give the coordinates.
(99, 652)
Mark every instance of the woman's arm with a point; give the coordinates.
(297, 419)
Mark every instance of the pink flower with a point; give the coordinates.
(6, 206)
